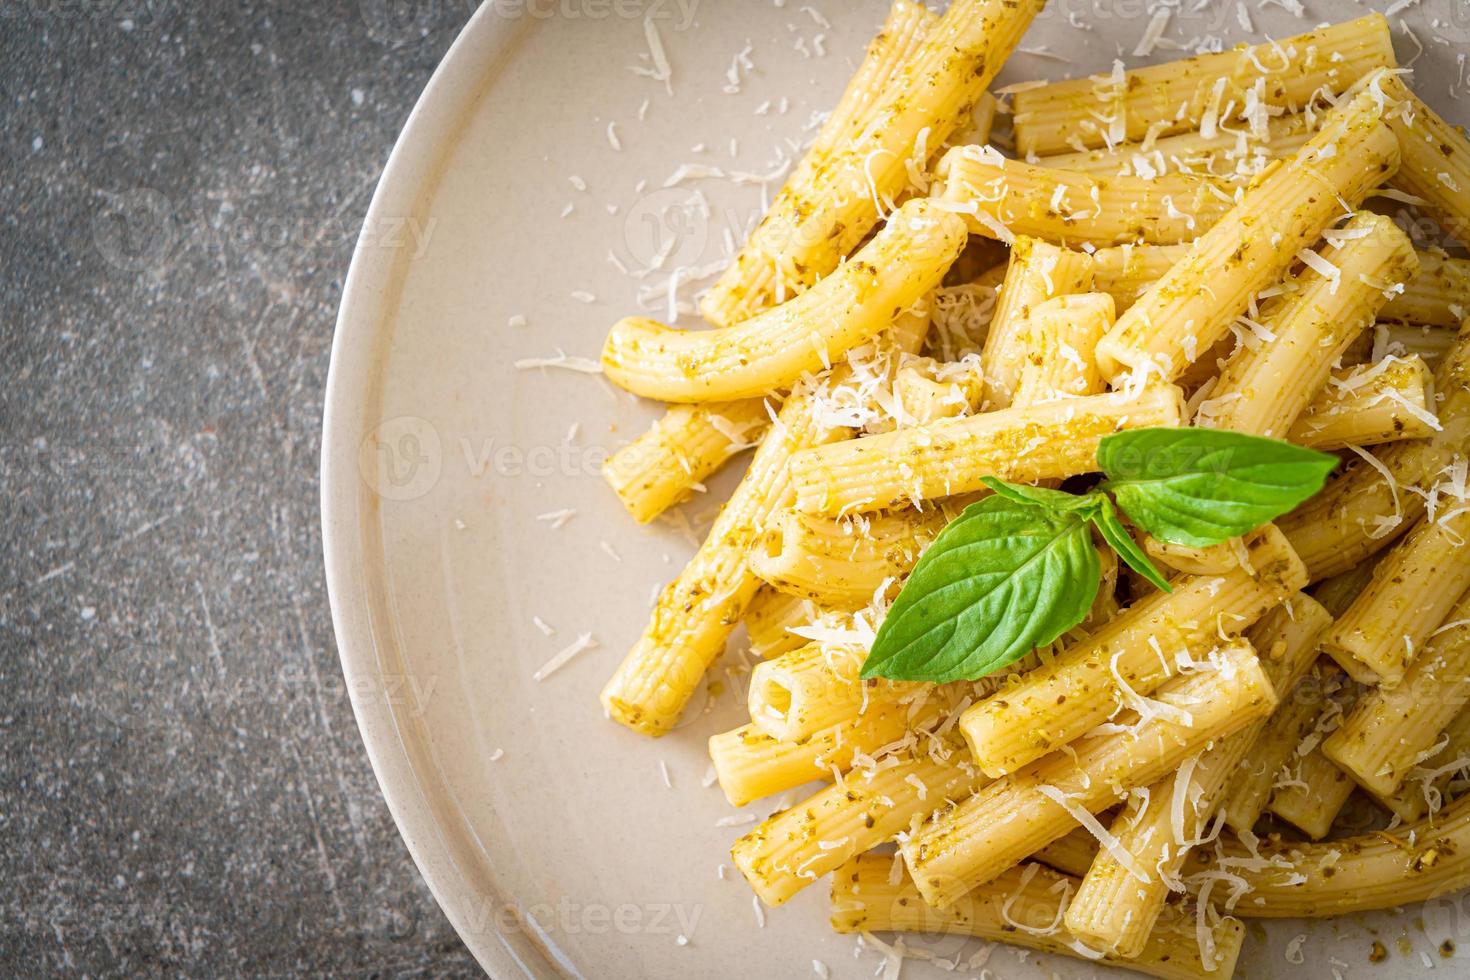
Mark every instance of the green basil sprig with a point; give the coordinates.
(1198, 487)
(1018, 569)
(1002, 579)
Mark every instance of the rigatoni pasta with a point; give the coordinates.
(1228, 153)
(1020, 813)
(927, 100)
(750, 764)
(1023, 907)
(1050, 440)
(1285, 210)
(1389, 730)
(754, 280)
(772, 350)
(1127, 659)
(1023, 591)
(1266, 387)
(1390, 401)
(871, 806)
(1435, 296)
(770, 617)
(1113, 908)
(1038, 271)
(1186, 95)
(1425, 789)
(663, 466)
(1436, 156)
(1380, 496)
(1413, 589)
(1004, 199)
(812, 688)
(842, 561)
(1061, 335)
(1312, 793)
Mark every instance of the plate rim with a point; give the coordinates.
(351, 412)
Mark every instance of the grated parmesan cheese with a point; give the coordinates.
(582, 643)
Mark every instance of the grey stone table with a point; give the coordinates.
(182, 788)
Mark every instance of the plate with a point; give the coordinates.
(461, 503)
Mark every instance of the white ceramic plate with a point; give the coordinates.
(547, 833)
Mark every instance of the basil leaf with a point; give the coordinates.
(1002, 579)
(1054, 500)
(1117, 536)
(1198, 487)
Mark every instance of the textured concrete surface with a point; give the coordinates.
(182, 788)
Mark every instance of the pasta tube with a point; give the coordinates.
(1023, 907)
(1315, 795)
(1361, 511)
(869, 807)
(1387, 402)
(815, 687)
(697, 612)
(1072, 854)
(1187, 311)
(1436, 157)
(1412, 591)
(751, 283)
(1019, 814)
(1181, 96)
(1438, 296)
(1127, 659)
(976, 131)
(928, 390)
(1423, 791)
(1248, 793)
(1061, 335)
(1287, 879)
(751, 764)
(680, 451)
(770, 616)
(772, 350)
(1225, 154)
(1264, 388)
(803, 239)
(1048, 440)
(1390, 730)
(1115, 911)
(1004, 199)
(1037, 272)
(842, 562)
(1126, 272)
(1217, 559)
